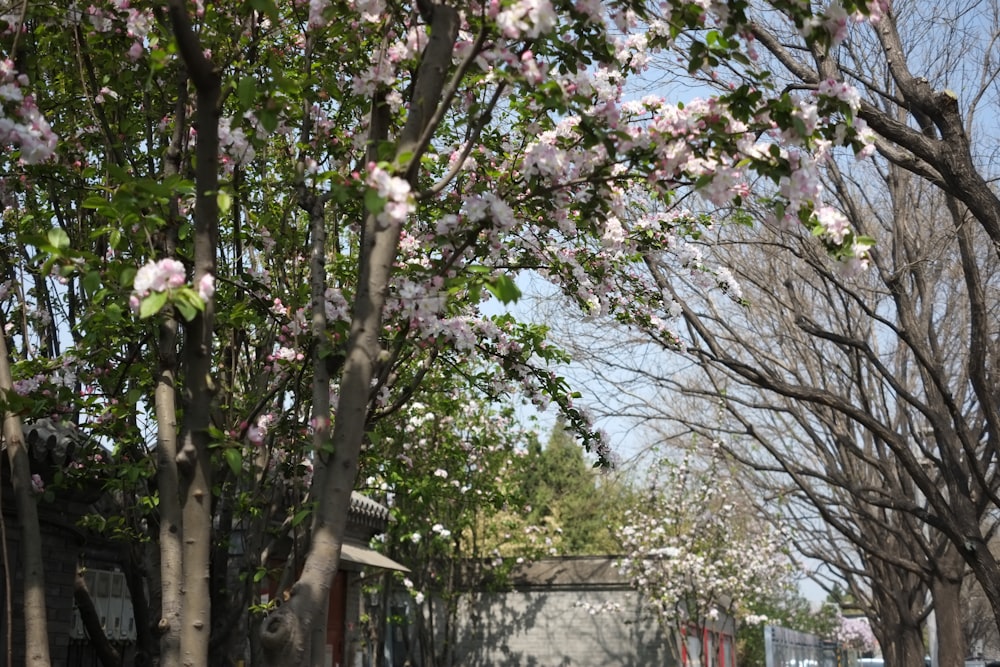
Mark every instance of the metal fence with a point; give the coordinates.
(789, 648)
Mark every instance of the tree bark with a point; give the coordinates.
(287, 632)
(105, 650)
(946, 591)
(36, 634)
(194, 458)
(170, 537)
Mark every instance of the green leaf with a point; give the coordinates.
(373, 203)
(266, 7)
(268, 119)
(152, 304)
(113, 312)
(49, 263)
(300, 516)
(246, 91)
(58, 238)
(504, 288)
(92, 282)
(133, 396)
(234, 459)
(187, 311)
(127, 277)
(95, 202)
(225, 202)
(799, 126)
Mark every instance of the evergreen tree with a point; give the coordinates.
(564, 489)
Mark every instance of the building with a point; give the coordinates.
(345, 645)
(68, 547)
(570, 612)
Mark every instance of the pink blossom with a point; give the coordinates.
(834, 223)
(206, 286)
(370, 10)
(527, 18)
(317, 13)
(592, 8)
(27, 128)
(234, 142)
(158, 277)
(288, 355)
(395, 190)
(857, 262)
(836, 22)
(841, 91)
(877, 9)
(856, 633)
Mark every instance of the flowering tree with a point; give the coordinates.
(697, 558)
(239, 234)
(447, 470)
(856, 633)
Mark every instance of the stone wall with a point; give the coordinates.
(62, 545)
(565, 612)
(555, 628)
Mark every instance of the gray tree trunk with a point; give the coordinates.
(36, 634)
(287, 633)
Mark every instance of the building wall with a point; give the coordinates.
(62, 546)
(60, 568)
(555, 628)
(557, 612)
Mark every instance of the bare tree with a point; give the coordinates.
(861, 400)
(876, 396)
(870, 399)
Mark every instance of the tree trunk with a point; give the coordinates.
(167, 594)
(105, 650)
(168, 486)
(287, 632)
(951, 650)
(194, 459)
(899, 634)
(133, 557)
(36, 634)
(695, 648)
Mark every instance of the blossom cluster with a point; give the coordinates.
(163, 276)
(692, 555)
(234, 145)
(159, 277)
(117, 15)
(856, 633)
(526, 18)
(21, 123)
(836, 21)
(395, 192)
(48, 382)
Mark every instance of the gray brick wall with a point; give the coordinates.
(62, 545)
(60, 549)
(555, 628)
